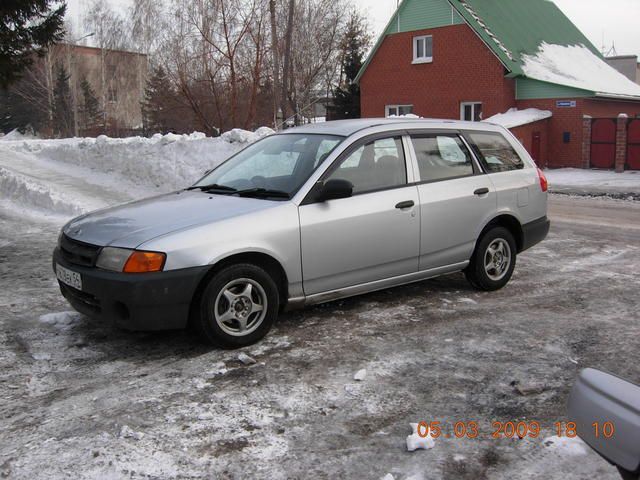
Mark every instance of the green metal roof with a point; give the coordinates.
(517, 31)
(512, 28)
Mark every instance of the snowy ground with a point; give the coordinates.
(576, 181)
(82, 400)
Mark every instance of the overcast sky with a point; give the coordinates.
(616, 20)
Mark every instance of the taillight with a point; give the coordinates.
(544, 184)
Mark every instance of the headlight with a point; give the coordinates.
(113, 258)
(130, 261)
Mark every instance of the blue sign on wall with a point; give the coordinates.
(566, 104)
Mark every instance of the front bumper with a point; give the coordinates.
(534, 232)
(145, 301)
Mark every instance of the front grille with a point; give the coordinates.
(84, 298)
(78, 253)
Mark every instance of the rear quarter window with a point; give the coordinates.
(495, 152)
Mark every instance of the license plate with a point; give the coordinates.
(68, 277)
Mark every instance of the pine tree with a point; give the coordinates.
(91, 113)
(158, 104)
(354, 44)
(27, 27)
(62, 112)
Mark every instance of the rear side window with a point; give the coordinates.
(495, 152)
(441, 157)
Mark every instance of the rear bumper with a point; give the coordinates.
(147, 301)
(534, 232)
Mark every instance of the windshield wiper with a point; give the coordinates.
(262, 192)
(212, 187)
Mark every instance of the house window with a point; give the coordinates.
(471, 111)
(112, 94)
(423, 49)
(398, 110)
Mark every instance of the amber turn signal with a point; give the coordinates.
(143, 262)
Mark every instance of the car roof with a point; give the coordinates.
(349, 127)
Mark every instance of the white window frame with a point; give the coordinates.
(473, 109)
(424, 59)
(397, 107)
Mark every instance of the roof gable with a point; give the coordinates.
(532, 38)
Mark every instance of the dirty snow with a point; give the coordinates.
(566, 445)
(577, 66)
(515, 118)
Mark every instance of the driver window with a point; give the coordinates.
(376, 165)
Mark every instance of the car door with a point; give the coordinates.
(372, 235)
(456, 198)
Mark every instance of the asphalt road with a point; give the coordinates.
(80, 400)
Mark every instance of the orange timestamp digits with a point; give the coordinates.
(600, 429)
(460, 430)
(513, 429)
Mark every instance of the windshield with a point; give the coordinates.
(280, 164)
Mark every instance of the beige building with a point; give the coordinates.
(627, 65)
(118, 79)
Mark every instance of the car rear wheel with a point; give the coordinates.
(237, 307)
(493, 260)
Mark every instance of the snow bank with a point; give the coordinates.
(70, 176)
(577, 66)
(27, 193)
(515, 118)
(16, 135)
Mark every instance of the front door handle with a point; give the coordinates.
(481, 191)
(405, 205)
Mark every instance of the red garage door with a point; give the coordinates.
(633, 144)
(603, 143)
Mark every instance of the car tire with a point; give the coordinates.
(237, 307)
(493, 260)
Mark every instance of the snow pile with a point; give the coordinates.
(515, 118)
(576, 180)
(577, 66)
(71, 176)
(24, 191)
(16, 135)
(415, 441)
(238, 135)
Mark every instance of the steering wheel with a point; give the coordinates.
(259, 181)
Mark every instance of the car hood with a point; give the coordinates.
(134, 223)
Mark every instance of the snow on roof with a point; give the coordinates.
(577, 66)
(514, 117)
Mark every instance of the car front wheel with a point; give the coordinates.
(493, 261)
(238, 306)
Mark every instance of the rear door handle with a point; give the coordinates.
(405, 205)
(481, 191)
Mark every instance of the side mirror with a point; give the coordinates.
(335, 189)
(606, 411)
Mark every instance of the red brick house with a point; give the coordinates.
(475, 59)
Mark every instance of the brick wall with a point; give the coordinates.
(559, 152)
(525, 134)
(463, 70)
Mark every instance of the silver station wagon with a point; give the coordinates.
(309, 215)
